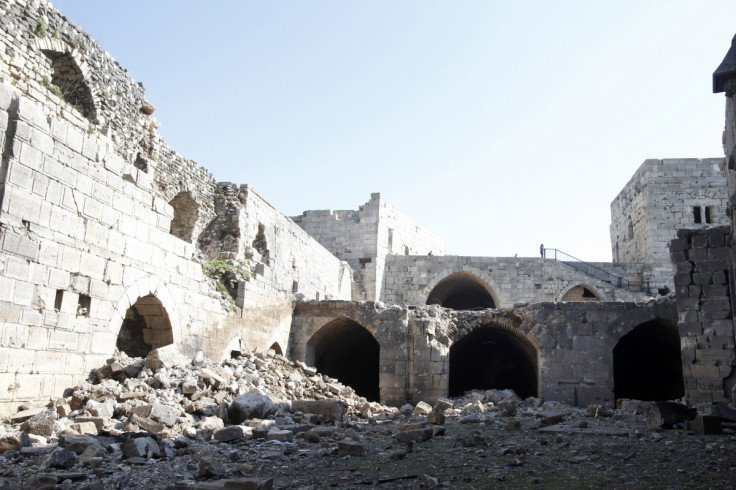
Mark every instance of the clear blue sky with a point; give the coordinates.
(497, 125)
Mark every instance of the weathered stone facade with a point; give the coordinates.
(367, 237)
(109, 239)
(702, 261)
(579, 353)
(662, 197)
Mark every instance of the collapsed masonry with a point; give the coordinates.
(110, 240)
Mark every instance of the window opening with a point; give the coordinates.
(83, 305)
(708, 214)
(59, 299)
(697, 216)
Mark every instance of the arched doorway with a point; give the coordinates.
(146, 327)
(647, 364)
(493, 357)
(462, 291)
(581, 292)
(343, 349)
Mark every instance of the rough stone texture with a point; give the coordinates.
(573, 343)
(659, 200)
(366, 237)
(509, 280)
(705, 312)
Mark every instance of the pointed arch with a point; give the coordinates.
(345, 350)
(149, 291)
(69, 78)
(494, 356)
(580, 292)
(647, 362)
(462, 290)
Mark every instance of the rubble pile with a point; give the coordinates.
(170, 422)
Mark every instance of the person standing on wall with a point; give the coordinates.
(541, 250)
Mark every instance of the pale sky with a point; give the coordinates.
(497, 125)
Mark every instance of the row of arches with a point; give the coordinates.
(466, 291)
(646, 361)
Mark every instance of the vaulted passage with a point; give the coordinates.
(647, 363)
(493, 358)
(68, 82)
(146, 327)
(343, 349)
(461, 291)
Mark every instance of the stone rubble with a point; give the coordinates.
(217, 423)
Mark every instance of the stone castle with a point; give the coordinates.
(110, 239)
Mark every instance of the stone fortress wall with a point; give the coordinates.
(101, 223)
(662, 197)
(109, 239)
(366, 237)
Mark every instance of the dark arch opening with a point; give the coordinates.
(461, 291)
(68, 82)
(647, 364)
(186, 213)
(581, 292)
(343, 349)
(146, 327)
(492, 357)
(276, 348)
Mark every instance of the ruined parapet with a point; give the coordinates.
(703, 263)
(51, 61)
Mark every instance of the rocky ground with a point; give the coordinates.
(261, 421)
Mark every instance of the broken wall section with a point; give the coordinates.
(283, 263)
(703, 264)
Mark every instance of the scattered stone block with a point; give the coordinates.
(417, 435)
(705, 424)
(329, 410)
(140, 447)
(350, 448)
(422, 408)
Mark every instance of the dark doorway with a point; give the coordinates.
(343, 349)
(146, 327)
(493, 358)
(461, 291)
(647, 364)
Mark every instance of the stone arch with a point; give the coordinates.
(186, 214)
(494, 356)
(647, 364)
(345, 350)
(462, 291)
(580, 292)
(147, 287)
(146, 327)
(69, 78)
(276, 347)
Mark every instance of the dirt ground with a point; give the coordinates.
(475, 452)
